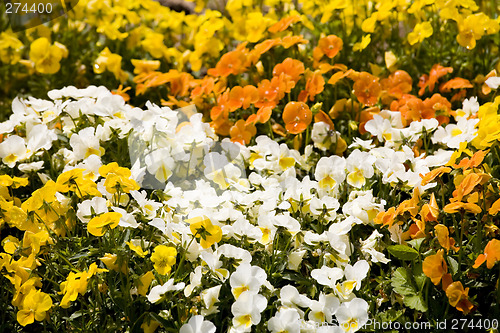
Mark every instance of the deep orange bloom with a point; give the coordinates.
(261, 48)
(242, 133)
(270, 92)
(290, 67)
(289, 41)
(457, 206)
(297, 116)
(435, 267)
(437, 107)
(443, 236)
(262, 116)
(430, 211)
(429, 81)
(473, 162)
(459, 297)
(430, 176)
(242, 97)
(221, 125)
(410, 106)
(204, 87)
(315, 85)
(367, 89)
(495, 208)
(233, 62)
(491, 254)
(394, 86)
(222, 108)
(330, 45)
(283, 24)
(386, 218)
(455, 83)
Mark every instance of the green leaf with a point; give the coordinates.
(403, 252)
(416, 243)
(401, 283)
(453, 265)
(415, 302)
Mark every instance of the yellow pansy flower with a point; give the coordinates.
(137, 249)
(10, 48)
(365, 41)
(46, 56)
(163, 258)
(421, 32)
(110, 62)
(35, 306)
(99, 224)
(202, 227)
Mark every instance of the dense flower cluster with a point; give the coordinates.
(289, 247)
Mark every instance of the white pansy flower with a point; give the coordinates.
(247, 309)
(156, 293)
(197, 324)
(327, 276)
(285, 320)
(352, 315)
(13, 149)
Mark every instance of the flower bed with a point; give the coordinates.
(260, 167)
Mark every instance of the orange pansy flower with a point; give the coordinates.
(367, 89)
(429, 81)
(221, 125)
(205, 87)
(283, 24)
(430, 211)
(417, 229)
(291, 69)
(330, 45)
(437, 107)
(410, 106)
(242, 133)
(297, 116)
(443, 236)
(262, 116)
(494, 208)
(242, 97)
(233, 62)
(270, 92)
(457, 206)
(435, 267)
(386, 218)
(455, 83)
(430, 176)
(458, 297)
(491, 254)
(222, 107)
(473, 162)
(315, 84)
(397, 84)
(290, 41)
